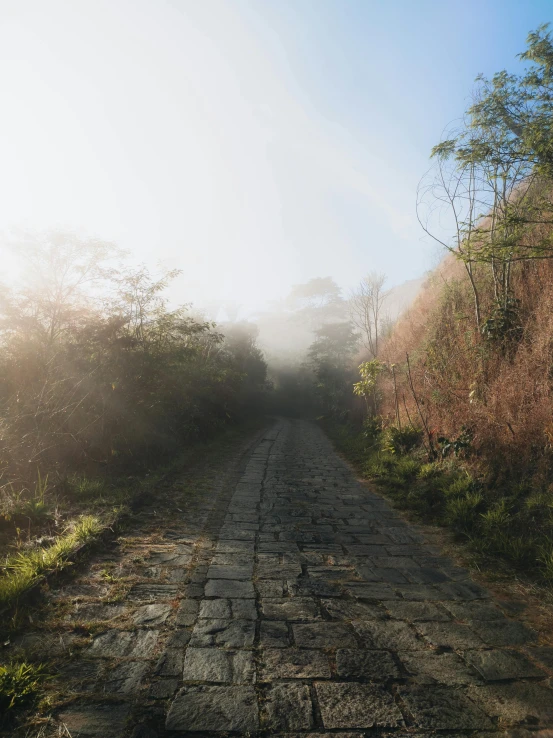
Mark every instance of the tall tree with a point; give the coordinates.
(366, 309)
(494, 175)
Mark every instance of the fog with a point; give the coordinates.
(253, 146)
(184, 133)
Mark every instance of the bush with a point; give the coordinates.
(372, 428)
(89, 382)
(401, 440)
(461, 512)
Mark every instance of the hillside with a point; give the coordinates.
(401, 297)
(459, 424)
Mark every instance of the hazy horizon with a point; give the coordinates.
(253, 145)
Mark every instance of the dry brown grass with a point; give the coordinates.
(462, 380)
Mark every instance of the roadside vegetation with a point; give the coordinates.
(102, 385)
(20, 686)
(507, 530)
(453, 408)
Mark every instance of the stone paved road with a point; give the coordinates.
(312, 608)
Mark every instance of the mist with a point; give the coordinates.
(185, 133)
(276, 368)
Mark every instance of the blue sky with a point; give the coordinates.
(252, 143)
(392, 75)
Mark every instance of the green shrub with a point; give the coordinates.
(461, 512)
(433, 470)
(406, 469)
(459, 487)
(378, 464)
(496, 518)
(545, 559)
(372, 428)
(401, 440)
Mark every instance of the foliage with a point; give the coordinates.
(21, 570)
(372, 428)
(401, 440)
(494, 174)
(97, 369)
(457, 446)
(510, 526)
(369, 372)
(20, 684)
(504, 326)
(317, 302)
(99, 376)
(330, 358)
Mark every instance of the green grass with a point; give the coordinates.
(20, 684)
(505, 526)
(108, 502)
(25, 567)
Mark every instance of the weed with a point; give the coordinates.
(25, 567)
(84, 488)
(433, 470)
(406, 469)
(459, 487)
(461, 512)
(20, 684)
(86, 528)
(496, 518)
(401, 440)
(545, 558)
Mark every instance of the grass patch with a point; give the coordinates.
(506, 526)
(20, 685)
(23, 569)
(108, 502)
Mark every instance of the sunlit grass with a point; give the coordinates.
(20, 684)
(25, 567)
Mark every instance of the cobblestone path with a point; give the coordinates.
(305, 605)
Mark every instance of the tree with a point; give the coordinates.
(60, 272)
(369, 372)
(366, 307)
(494, 175)
(330, 359)
(317, 302)
(95, 365)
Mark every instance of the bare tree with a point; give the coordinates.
(366, 306)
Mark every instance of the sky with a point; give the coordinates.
(252, 144)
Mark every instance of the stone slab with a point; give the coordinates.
(293, 663)
(497, 665)
(292, 608)
(224, 633)
(219, 666)
(353, 705)
(288, 707)
(214, 709)
(324, 635)
(95, 721)
(442, 708)
(116, 643)
(229, 589)
(377, 666)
